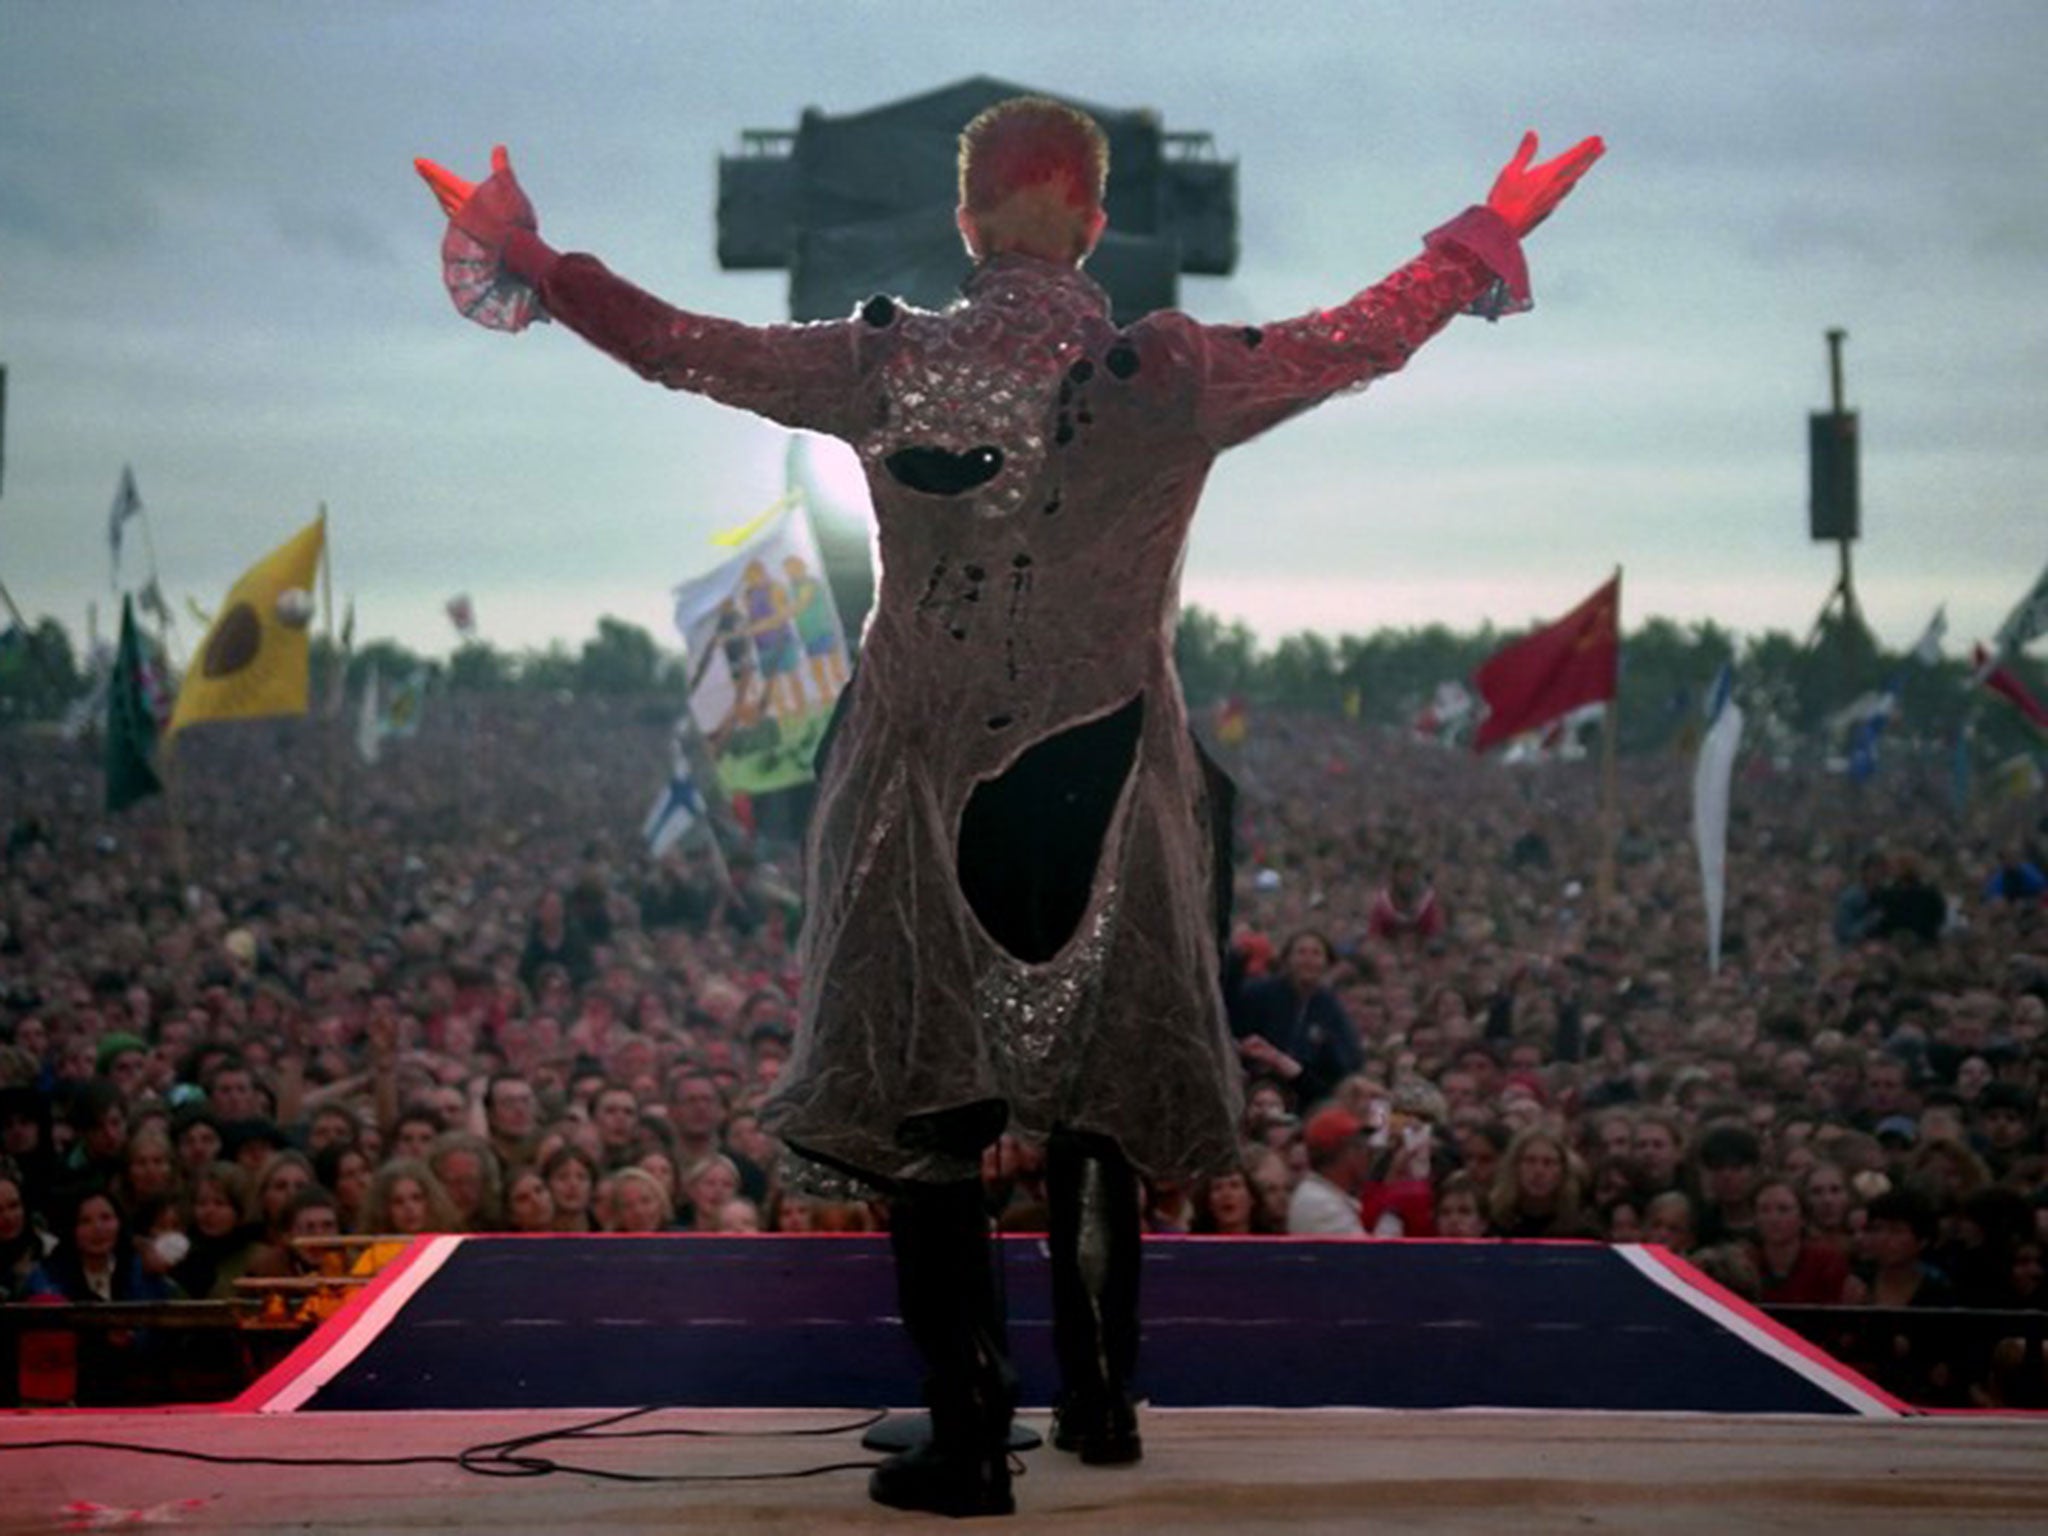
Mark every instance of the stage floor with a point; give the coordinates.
(1222, 1470)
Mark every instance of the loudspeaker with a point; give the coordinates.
(1831, 446)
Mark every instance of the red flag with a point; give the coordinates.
(2006, 683)
(1553, 672)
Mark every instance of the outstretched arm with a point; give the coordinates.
(501, 274)
(1258, 376)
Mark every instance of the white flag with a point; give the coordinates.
(1711, 778)
(1927, 649)
(2022, 625)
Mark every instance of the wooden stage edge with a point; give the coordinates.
(1205, 1470)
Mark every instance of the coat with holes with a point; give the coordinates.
(1012, 914)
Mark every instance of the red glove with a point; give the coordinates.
(482, 219)
(1524, 194)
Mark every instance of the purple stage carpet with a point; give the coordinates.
(773, 1322)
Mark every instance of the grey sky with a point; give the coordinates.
(216, 264)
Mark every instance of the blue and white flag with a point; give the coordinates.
(1873, 713)
(677, 807)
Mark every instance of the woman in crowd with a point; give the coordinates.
(149, 1168)
(406, 1200)
(528, 1204)
(96, 1260)
(707, 1184)
(224, 1237)
(345, 1170)
(1791, 1269)
(1460, 1211)
(571, 1174)
(1830, 1205)
(1537, 1191)
(21, 1241)
(1225, 1205)
(640, 1204)
(282, 1176)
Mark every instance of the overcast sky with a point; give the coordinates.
(216, 265)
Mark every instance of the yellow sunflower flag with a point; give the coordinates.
(256, 657)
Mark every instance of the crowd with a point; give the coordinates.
(449, 993)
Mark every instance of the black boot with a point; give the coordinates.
(947, 1291)
(1096, 1252)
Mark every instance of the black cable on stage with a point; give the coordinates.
(512, 1457)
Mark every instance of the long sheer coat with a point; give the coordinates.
(1015, 723)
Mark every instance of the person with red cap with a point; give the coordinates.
(1325, 1202)
(1013, 913)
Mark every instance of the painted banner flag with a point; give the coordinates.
(767, 656)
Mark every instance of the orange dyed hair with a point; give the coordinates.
(1032, 174)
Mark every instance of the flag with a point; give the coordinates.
(462, 614)
(2019, 777)
(678, 806)
(1868, 730)
(2006, 683)
(126, 504)
(1533, 681)
(370, 721)
(131, 725)
(1927, 649)
(400, 714)
(768, 655)
(2025, 622)
(151, 601)
(1448, 708)
(255, 659)
(1713, 773)
(1233, 722)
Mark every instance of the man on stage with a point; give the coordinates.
(1012, 918)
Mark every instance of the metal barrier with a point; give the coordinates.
(1935, 1357)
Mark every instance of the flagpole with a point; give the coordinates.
(327, 602)
(163, 608)
(699, 752)
(1610, 797)
(326, 729)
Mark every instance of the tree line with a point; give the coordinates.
(1383, 678)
